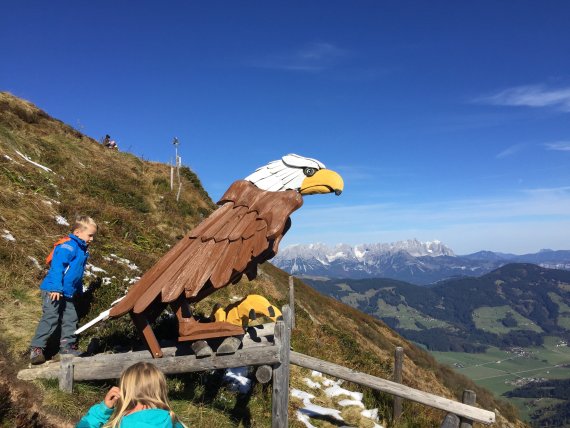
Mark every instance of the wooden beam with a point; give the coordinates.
(110, 366)
(280, 394)
(292, 300)
(66, 374)
(469, 397)
(398, 363)
(432, 400)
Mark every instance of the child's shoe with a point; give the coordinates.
(70, 350)
(37, 355)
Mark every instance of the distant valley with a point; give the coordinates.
(515, 305)
(412, 261)
(508, 330)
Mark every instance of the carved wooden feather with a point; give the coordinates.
(244, 232)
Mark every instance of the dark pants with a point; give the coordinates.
(56, 312)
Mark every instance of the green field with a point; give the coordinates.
(488, 318)
(497, 369)
(408, 317)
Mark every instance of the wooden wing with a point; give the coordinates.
(234, 239)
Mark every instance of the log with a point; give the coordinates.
(398, 363)
(263, 374)
(432, 400)
(110, 366)
(280, 394)
(292, 301)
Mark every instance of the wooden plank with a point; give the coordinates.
(292, 301)
(110, 366)
(66, 373)
(280, 394)
(398, 363)
(469, 397)
(479, 415)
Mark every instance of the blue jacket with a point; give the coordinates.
(99, 414)
(67, 265)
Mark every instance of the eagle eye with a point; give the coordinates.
(309, 172)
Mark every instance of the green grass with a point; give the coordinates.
(494, 368)
(408, 318)
(563, 311)
(488, 319)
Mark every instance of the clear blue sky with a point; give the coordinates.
(448, 120)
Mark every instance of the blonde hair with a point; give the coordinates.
(82, 222)
(144, 384)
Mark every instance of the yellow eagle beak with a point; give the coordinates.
(323, 181)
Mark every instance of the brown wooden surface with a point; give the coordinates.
(280, 393)
(242, 233)
(398, 364)
(469, 397)
(110, 366)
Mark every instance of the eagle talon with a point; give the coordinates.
(201, 349)
(229, 346)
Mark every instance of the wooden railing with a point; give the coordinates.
(268, 348)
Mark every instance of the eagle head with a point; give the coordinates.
(293, 172)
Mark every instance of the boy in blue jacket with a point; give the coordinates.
(63, 281)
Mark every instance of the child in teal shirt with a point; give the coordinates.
(141, 400)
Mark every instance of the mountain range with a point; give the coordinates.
(412, 261)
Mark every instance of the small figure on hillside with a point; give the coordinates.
(63, 281)
(141, 399)
(110, 144)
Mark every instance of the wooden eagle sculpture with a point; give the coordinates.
(244, 232)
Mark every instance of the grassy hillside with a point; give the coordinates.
(48, 173)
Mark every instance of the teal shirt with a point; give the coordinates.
(99, 414)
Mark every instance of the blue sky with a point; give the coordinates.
(448, 120)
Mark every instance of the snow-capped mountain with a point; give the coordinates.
(411, 260)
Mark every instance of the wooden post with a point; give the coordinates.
(280, 397)
(66, 373)
(469, 397)
(292, 300)
(398, 363)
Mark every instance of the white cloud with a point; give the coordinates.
(531, 96)
(313, 57)
(509, 151)
(563, 146)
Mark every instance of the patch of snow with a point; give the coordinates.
(311, 384)
(106, 281)
(131, 280)
(335, 390)
(35, 262)
(93, 268)
(61, 220)
(126, 262)
(9, 158)
(301, 395)
(237, 379)
(315, 373)
(313, 410)
(370, 414)
(26, 158)
(345, 403)
(47, 202)
(7, 235)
